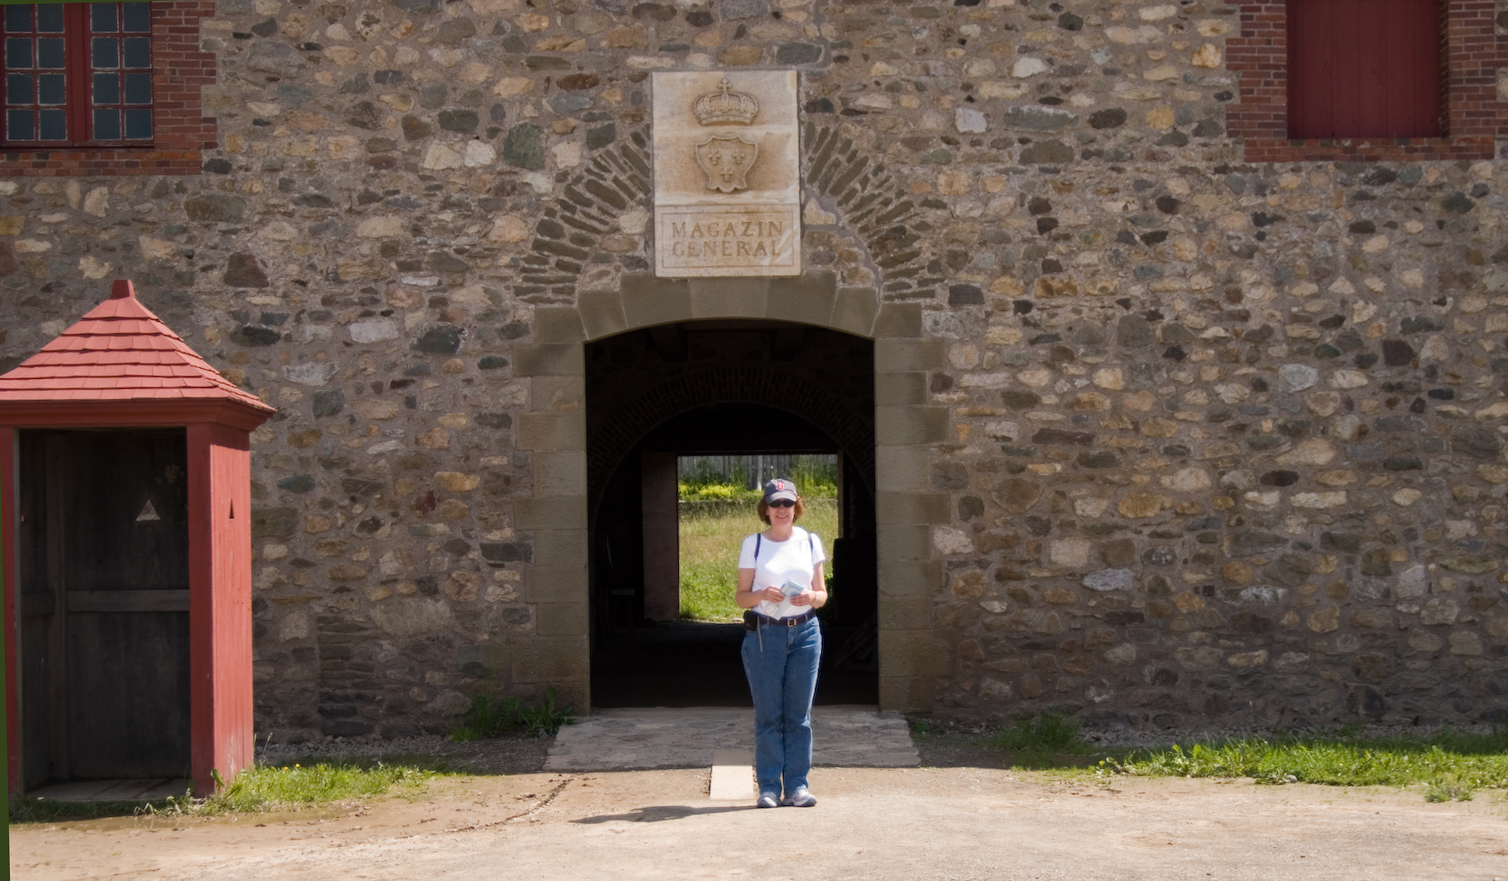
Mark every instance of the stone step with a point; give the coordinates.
(691, 737)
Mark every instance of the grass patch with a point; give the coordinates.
(266, 787)
(257, 788)
(710, 534)
(1448, 765)
(1451, 765)
(491, 717)
(1044, 735)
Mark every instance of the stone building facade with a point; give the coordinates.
(1175, 421)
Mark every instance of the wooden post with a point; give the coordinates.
(8, 588)
(220, 689)
(662, 541)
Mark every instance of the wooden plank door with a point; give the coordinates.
(115, 533)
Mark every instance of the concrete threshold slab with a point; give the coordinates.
(659, 737)
(732, 775)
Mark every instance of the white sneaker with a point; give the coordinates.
(766, 800)
(801, 798)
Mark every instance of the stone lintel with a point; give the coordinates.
(729, 298)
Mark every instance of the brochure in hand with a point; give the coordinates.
(791, 588)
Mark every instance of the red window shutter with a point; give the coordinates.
(1363, 68)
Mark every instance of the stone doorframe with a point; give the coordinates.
(912, 656)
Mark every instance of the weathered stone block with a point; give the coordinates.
(729, 298)
(907, 426)
(601, 313)
(561, 619)
(915, 653)
(900, 389)
(648, 301)
(552, 512)
(556, 584)
(855, 310)
(808, 299)
(908, 541)
(898, 321)
(551, 430)
(914, 579)
(902, 356)
(913, 507)
(901, 469)
(558, 324)
(560, 473)
(552, 661)
(551, 359)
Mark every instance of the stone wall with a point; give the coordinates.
(1202, 441)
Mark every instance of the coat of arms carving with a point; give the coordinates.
(726, 159)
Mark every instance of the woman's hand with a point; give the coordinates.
(747, 597)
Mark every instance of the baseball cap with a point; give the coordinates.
(779, 488)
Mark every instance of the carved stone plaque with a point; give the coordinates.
(727, 169)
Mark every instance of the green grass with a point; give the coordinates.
(1451, 765)
(493, 717)
(1045, 735)
(1448, 765)
(264, 787)
(292, 785)
(711, 533)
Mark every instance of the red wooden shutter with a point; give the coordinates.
(1363, 68)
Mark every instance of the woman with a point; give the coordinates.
(780, 583)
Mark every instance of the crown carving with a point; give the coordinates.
(725, 107)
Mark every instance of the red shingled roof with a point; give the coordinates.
(120, 351)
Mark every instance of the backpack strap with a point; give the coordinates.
(758, 538)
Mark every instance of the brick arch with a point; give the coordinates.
(771, 387)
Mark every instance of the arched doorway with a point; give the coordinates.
(551, 523)
(719, 387)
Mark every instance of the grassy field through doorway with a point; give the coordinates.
(711, 531)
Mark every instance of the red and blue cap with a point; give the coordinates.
(779, 488)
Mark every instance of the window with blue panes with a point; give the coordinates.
(77, 74)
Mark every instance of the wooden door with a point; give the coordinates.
(104, 530)
(1364, 69)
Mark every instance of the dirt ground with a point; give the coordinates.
(967, 821)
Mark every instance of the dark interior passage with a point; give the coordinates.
(720, 388)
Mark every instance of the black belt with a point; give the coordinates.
(767, 621)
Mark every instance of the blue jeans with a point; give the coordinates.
(781, 663)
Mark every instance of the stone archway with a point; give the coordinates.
(850, 195)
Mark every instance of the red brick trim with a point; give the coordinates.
(180, 71)
(1474, 117)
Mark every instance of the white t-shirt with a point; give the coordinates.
(794, 559)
